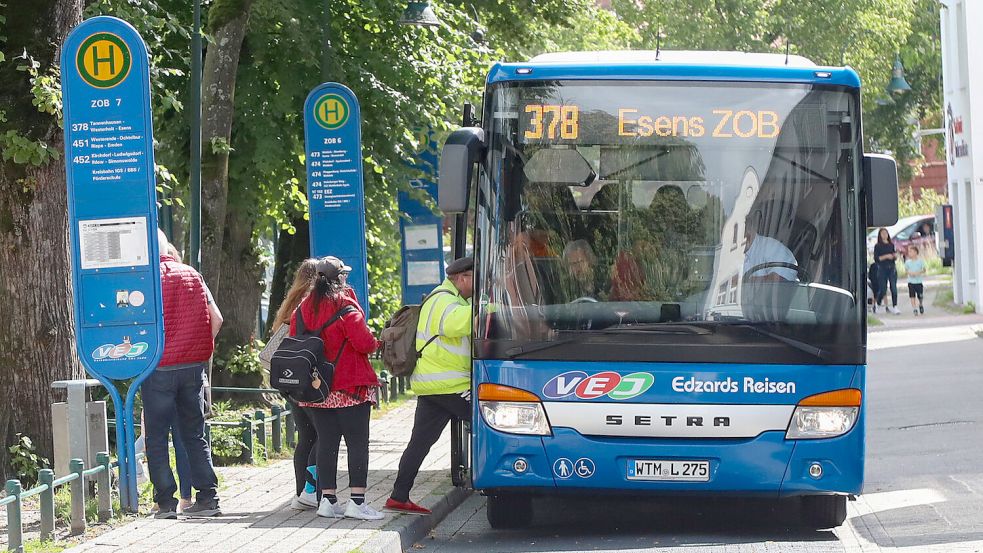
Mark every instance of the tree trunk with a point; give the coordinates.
(291, 249)
(37, 342)
(227, 23)
(241, 286)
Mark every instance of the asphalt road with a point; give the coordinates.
(923, 486)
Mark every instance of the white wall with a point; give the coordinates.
(962, 73)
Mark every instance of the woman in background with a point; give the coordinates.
(887, 272)
(306, 496)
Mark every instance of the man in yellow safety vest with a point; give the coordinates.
(442, 378)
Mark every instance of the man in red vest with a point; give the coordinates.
(177, 385)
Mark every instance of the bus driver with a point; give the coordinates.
(764, 250)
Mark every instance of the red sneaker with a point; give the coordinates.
(407, 507)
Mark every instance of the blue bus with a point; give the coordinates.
(669, 278)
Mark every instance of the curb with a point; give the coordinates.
(414, 528)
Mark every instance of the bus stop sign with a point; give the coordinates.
(112, 206)
(335, 190)
(112, 199)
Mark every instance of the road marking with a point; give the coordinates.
(920, 336)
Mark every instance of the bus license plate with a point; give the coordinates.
(659, 469)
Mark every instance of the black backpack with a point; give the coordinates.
(299, 361)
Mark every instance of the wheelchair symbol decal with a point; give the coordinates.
(584, 467)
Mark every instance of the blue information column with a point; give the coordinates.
(113, 216)
(421, 230)
(335, 189)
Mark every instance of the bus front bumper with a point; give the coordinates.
(767, 465)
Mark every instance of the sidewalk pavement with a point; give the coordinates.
(257, 517)
(934, 316)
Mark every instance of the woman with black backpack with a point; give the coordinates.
(348, 406)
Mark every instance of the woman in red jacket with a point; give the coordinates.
(346, 410)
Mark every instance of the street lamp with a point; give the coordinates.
(420, 14)
(194, 241)
(898, 84)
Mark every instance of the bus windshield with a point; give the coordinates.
(670, 221)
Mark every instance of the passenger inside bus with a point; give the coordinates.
(582, 278)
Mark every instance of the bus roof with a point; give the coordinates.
(688, 57)
(673, 65)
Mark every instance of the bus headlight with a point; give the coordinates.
(516, 418)
(821, 422)
(825, 415)
(512, 410)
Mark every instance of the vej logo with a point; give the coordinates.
(119, 351)
(287, 373)
(331, 111)
(103, 60)
(608, 383)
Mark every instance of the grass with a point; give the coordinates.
(873, 321)
(944, 299)
(48, 546)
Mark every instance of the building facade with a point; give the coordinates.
(962, 73)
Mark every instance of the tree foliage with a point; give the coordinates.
(864, 34)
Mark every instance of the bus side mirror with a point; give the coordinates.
(464, 148)
(881, 179)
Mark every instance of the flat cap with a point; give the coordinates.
(460, 265)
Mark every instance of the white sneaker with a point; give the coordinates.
(304, 502)
(327, 510)
(895, 310)
(363, 512)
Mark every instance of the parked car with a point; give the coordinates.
(916, 229)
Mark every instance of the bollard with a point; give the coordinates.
(247, 438)
(383, 386)
(261, 432)
(15, 529)
(47, 476)
(104, 490)
(393, 389)
(277, 428)
(288, 424)
(77, 486)
(402, 385)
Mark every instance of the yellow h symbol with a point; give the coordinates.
(97, 61)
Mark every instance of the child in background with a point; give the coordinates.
(916, 288)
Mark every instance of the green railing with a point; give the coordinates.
(280, 417)
(16, 495)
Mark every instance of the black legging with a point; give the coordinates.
(887, 275)
(331, 425)
(304, 453)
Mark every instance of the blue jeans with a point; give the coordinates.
(887, 275)
(177, 396)
(183, 466)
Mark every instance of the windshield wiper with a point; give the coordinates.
(657, 328)
(512, 353)
(797, 344)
